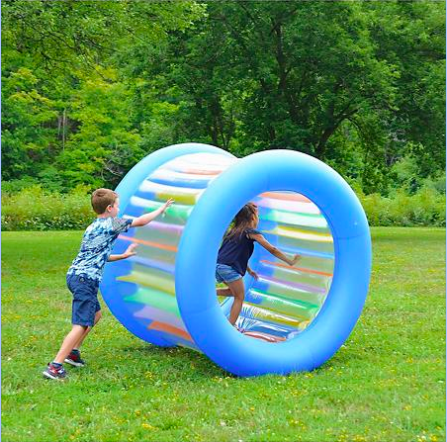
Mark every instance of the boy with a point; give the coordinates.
(85, 273)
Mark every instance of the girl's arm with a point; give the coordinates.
(148, 217)
(274, 250)
(251, 272)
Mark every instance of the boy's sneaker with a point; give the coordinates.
(74, 358)
(53, 372)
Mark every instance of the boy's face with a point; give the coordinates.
(114, 209)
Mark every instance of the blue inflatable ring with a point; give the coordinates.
(113, 295)
(278, 170)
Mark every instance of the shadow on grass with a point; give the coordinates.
(180, 360)
(185, 362)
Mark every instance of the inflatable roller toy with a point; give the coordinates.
(294, 318)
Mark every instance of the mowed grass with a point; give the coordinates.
(387, 383)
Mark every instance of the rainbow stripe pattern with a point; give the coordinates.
(278, 306)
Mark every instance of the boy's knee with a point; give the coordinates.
(98, 316)
(79, 327)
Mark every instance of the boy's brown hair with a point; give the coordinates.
(103, 198)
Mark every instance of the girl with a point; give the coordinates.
(234, 253)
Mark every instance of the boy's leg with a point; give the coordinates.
(85, 308)
(98, 316)
(69, 342)
(238, 291)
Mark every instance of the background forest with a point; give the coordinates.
(89, 88)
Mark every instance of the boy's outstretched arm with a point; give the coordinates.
(148, 217)
(274, 250)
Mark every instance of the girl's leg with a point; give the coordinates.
(98, 316)
(224, 292)
(238, 291)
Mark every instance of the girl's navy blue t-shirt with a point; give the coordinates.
(235, 251)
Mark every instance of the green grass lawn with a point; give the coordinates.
(387, 383)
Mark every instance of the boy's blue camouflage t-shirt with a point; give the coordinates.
(97, 245)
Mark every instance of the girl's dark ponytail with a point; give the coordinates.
(242, 220)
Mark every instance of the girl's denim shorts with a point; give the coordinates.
(225, 273)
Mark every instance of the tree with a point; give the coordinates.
(65, 103)
(90, 87)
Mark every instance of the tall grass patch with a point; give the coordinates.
(35, 209)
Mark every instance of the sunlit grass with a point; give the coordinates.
(387, 383)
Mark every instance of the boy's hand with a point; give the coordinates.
(130, 251)
(166, 205)
(295, 259)
(145, 219)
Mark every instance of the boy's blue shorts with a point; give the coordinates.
(225, 273)
(85, 299)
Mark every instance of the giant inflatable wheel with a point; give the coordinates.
(293, 318)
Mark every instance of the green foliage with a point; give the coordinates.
(406, 175)
(35, 209)
(32, 208)
(437, 183)
(411, 36)
(424, 208)
(104, 145)
(27, 130)
(91, 87)
(68, 112)
(15, 186)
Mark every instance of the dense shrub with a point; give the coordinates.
(33, 208)
(424, 208)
